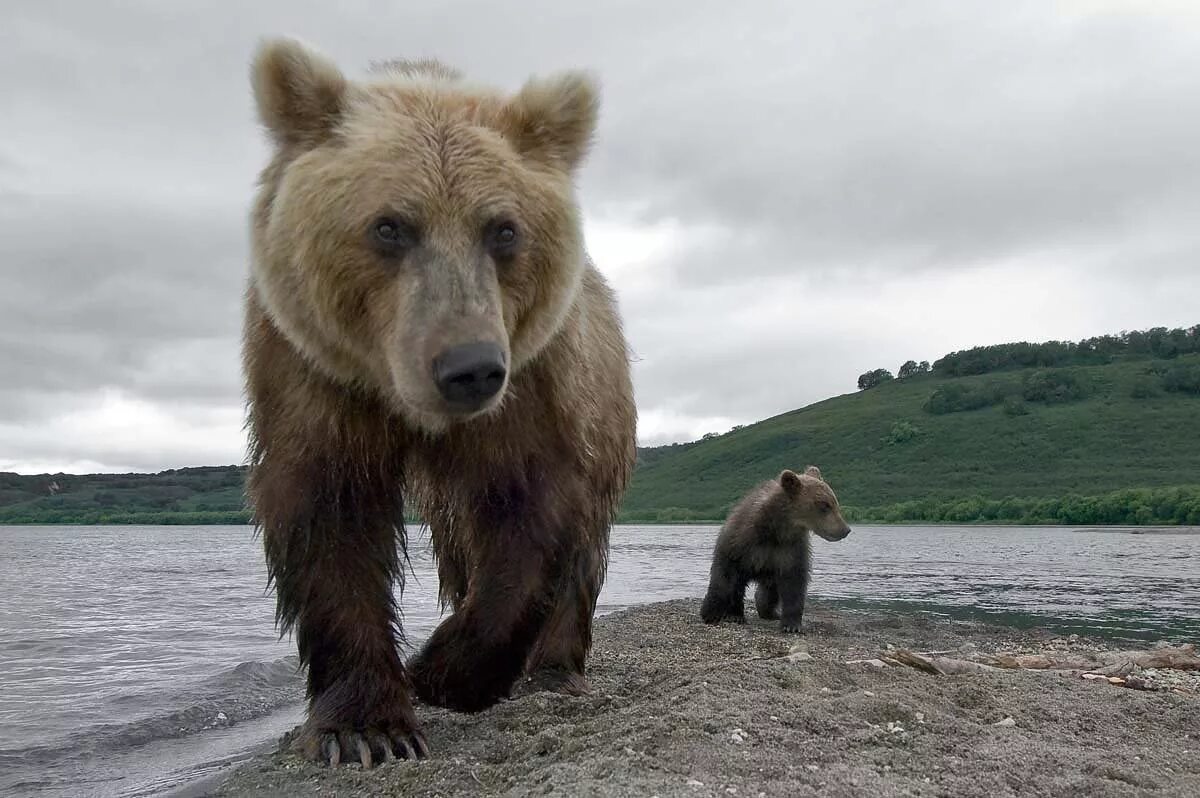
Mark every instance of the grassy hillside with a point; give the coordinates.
(1104, 431)
(211, 495)
(882, 446)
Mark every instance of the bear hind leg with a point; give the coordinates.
(559, 657)
(726, 595)
(475, 656)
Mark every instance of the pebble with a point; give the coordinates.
(1007, 722)
(813, 768)
(800, 656)
(920, 717)
(694, 783)
(774, 717)
(868, 693)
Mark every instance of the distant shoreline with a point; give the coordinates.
(1148, 529)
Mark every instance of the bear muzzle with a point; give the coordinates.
(469, 376)
(834, 536)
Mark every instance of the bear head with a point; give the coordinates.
(812, 504)
(415, 235)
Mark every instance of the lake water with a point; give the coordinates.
(134, 660)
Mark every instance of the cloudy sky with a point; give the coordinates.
(784, 196)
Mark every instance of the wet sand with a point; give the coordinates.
(683, 709)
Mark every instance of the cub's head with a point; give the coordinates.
(813, 504)
(414, 234)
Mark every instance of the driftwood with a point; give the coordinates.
(1110, 665)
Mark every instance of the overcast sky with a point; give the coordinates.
(784, 195)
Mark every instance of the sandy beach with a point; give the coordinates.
(683, 709)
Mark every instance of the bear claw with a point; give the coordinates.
(371, 747)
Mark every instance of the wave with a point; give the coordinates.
(244, 692)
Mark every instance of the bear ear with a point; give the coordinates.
(299, 92)
(813, 471)
(790, 480)
(552, 120)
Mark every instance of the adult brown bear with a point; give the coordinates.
(423, 324)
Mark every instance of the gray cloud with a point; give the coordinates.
(829, 186)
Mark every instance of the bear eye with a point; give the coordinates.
(502, 239)
(824, 506)
(391, 236)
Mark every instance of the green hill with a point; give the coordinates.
(210, 495)
(1106, 430)
(883, 447)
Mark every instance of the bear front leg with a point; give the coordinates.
(793, 590)
(766, 600)
(325, 484)
(726, 596)
(332, 555)
(473, 659)
(330, 535)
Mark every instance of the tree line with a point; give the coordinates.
(1157, 342)
(1131, 507)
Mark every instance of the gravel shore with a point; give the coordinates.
(683, 709)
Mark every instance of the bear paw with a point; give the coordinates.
(790, 627)
(446, 675)
(362, 720)
(553, 680)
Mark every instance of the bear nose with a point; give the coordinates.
(469, 374)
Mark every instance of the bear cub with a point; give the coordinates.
(765, 540)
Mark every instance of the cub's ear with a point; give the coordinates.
(552, 120)
(790, 480)
(299, 92)
(813, 471)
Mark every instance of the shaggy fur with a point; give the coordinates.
(347, 423)
(766, 540)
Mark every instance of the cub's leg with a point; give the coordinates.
(793, 590)
(766, 599)
(726, 593)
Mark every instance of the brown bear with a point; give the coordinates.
(765, 540)
(424, 330)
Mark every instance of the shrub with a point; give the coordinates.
(1054, 386)
(1015, 406)
(1182, 379)
(902, 432)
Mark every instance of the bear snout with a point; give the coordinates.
(835, 535)
(469, 375)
